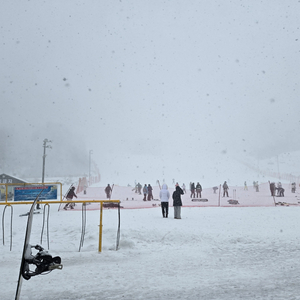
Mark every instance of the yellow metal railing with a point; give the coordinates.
(47, 202)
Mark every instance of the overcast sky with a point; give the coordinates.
(157, 89)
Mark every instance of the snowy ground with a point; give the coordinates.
(211, 253)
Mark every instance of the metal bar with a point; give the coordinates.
(59, 202)
(100, 229)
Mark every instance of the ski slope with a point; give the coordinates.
(211, 253)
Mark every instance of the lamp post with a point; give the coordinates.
(90, 159)
(44, 156)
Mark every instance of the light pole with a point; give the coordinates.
(44, 157)
(90, 159)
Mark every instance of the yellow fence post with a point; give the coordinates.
(100, 228)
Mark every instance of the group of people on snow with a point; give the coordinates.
(164, 196)
(278, 188)
(196, 191)
(147, 191)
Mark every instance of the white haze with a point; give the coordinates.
(156, 89)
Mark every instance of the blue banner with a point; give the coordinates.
(29, 193)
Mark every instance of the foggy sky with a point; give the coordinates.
(157, 89)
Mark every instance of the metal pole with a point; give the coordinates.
(44, 157)
(100, 228)
(90, 159)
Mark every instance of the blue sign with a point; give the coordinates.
(29, 193)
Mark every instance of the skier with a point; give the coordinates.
(183, 188)
(145, 192)
(177, 203)
(245, 186)
(69, 197)
(225, 189)
(192, 187)
(198, 189)
(164, 196)
(150, 195)
(108, 191)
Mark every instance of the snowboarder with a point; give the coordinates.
(177, 203)
(164, 196)
(225, 189)
(69, 197)
(198, 190)
(108, 191)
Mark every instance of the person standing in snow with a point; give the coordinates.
(139, 188)
(281, 192)
(293, 185)
(257, 186)
(145, 192)
(108, 191)
(164, 196)
(272, 189)
(183, 188)
(177, 203)
(245, 186)
(279, 186)
(150, 195)
(225, 189)
(192, 187)
(69, 197)
(198, 190)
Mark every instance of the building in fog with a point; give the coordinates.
(4, 178)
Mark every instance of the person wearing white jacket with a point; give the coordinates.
(164, 196)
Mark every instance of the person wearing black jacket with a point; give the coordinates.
(177, 203)
(198, 190)
(69, 197)
(225, 189)
(272, 189)
(192, 186)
